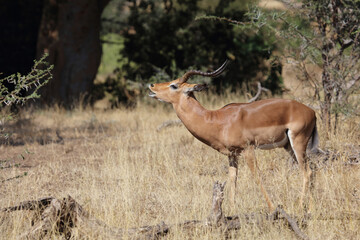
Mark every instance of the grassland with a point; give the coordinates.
(127, 174)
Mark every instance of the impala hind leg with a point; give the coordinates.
(249, 155)
(292, 160)
(233, 170)
(299, 144)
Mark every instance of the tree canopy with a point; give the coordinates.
(165, 35)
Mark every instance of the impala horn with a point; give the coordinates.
(213, 74)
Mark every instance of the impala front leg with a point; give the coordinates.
(233, 169)
(249, 155)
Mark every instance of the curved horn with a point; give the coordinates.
(213, 74)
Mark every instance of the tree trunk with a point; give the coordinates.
(70, 33)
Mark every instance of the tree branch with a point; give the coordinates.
(260, 89)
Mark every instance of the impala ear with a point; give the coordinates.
(197, 88)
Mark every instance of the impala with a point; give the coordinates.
(238, 128)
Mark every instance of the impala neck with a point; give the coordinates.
(192, 114)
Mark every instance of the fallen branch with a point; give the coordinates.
(292, 223)
(61, 216)
(30, 205)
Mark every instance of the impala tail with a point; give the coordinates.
(313, 145)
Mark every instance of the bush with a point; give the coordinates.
(18, 89)
(165, 35)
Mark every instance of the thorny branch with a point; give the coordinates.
(17, 89)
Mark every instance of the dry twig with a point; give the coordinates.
(260, 89)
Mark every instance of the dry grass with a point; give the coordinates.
(125, 173)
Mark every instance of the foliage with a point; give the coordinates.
(164, 35)
(326, 34)
(17, 88)
(111, 46)
(336, 42)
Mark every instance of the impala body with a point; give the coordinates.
(265, 124)
(239, 128)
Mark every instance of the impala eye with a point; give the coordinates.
(173, 86)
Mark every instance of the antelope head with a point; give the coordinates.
(172, 91)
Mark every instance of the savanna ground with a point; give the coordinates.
(127, 174)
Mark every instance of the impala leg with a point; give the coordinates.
(233, 169)
(289, 149)
(308, 177)
(249, 155)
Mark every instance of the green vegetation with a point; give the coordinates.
(324, 34)
(18, 89)
(112, 44)
(163, 37)
(159, 40)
